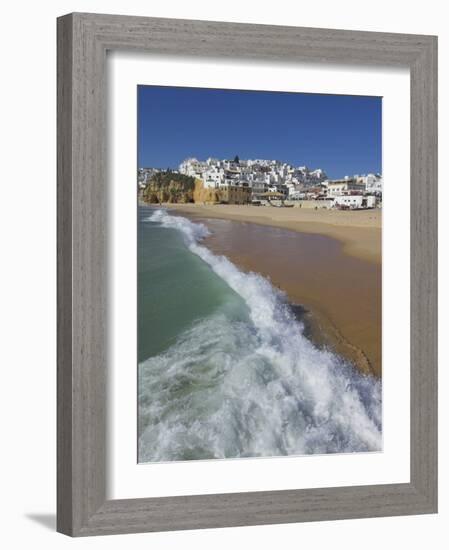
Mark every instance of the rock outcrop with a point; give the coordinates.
(169, 187)
(202, 195)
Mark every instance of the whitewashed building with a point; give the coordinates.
(374, 183)
(355, 202)
(213, 177)
(344, 187)
(192, 167)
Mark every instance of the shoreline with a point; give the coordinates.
(315, 269)
(359, 231)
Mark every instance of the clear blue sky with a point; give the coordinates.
(340, 134)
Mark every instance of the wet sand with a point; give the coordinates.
(338, 295)
(358, 231)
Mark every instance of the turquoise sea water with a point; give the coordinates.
(175, 288)
(225, 369)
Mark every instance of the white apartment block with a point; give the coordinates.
(344, 187)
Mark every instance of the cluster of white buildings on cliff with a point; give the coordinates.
(275, 180)
(260, 175)
(265, 177)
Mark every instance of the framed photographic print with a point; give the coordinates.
(247, 283)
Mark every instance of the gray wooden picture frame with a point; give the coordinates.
(83, 40)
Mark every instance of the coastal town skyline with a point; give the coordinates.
(256, 161)
(338, 134)
(256, 181)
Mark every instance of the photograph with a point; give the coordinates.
(259, 274)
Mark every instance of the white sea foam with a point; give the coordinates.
(233, 388)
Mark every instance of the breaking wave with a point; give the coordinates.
(250, 386)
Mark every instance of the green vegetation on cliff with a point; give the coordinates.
(169, 187)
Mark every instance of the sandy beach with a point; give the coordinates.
(328, 263)
(359, 231)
